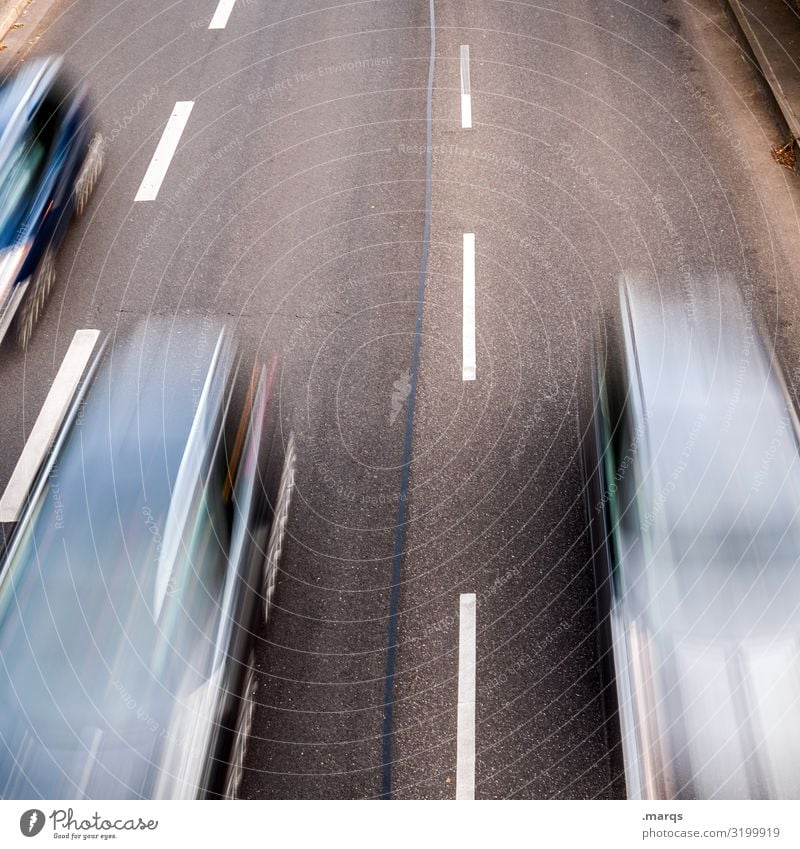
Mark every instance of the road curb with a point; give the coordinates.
(10, 11)
(788, 107)
(18, 43)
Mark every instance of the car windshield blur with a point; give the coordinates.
(21, 163)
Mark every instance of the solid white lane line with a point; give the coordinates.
(466, 91)
(220, 19)
(47, 424)
(465, 746)
(159, 164)
(468, 315)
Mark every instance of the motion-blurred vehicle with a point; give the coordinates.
(50, 161)
(691, 454)
(141, 568)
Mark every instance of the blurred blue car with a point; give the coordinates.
(50, 161)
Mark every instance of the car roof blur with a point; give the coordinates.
(718, 426)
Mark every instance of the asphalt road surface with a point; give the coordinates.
(319, 196)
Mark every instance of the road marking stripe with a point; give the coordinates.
(468, 327)
(47, 424)
(167, 146)
(220, 19)
(466, 91)
(465, 752)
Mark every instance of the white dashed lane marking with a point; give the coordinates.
(47, 424)
(167, 146)
(220, 19)
(466, 91)
(465, 745)
(469, 366)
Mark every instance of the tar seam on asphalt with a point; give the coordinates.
(399, 531)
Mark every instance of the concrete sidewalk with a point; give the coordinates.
(772, 29)
(10, 10)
